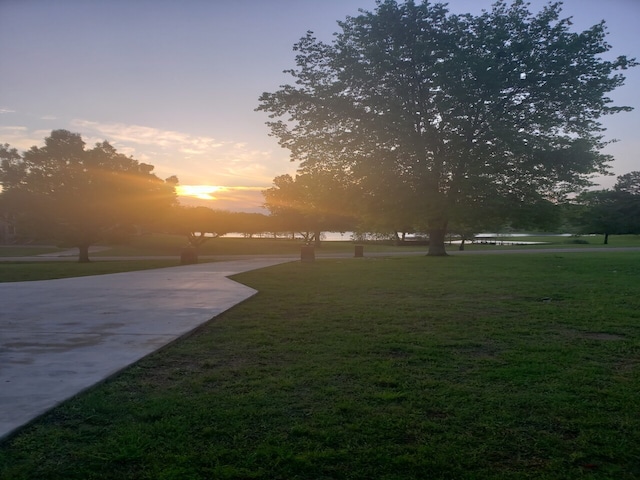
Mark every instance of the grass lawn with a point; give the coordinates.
(467, 367)
(171, 245)
(29, 271)
(25, 250)
(158, 244)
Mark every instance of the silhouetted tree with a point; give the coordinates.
(610, 212)
(63, 191)
(249, 224)
(309, 204)
(505, 104)
(199, 224)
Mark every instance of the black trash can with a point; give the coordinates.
(307, 253)
(359, 251)
(188, 256)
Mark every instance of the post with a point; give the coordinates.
(359, 251)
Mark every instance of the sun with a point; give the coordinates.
(203, 192)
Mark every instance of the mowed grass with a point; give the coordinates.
(30, 271)
(159, 244)
(467, 367)
(171, 246)
(25, 250)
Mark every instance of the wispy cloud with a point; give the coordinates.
(21, 137)
(247, 199)
(194, 159)
(142, 135)
(6, 110)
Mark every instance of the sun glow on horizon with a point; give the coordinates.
(203, 192)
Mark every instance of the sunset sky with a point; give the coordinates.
(175, 83)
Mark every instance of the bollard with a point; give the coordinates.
(307, 253)
(359, 251)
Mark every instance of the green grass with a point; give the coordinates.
(25, 250)
(30, 271)
(171, 245)
(467, 367)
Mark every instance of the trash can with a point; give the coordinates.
(188, 256)
(359, 251)
(307, 253)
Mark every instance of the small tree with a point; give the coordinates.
(199, 224)
(611, 212)
(77, 196)
(310, 203)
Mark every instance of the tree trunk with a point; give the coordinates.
(436, 242)
(397, 241)
(316, 236)
(606, 239)
(461, 247)
(83, 254)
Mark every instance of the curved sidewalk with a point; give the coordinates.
(60, 337)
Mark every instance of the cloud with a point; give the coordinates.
(20, 137)
(6, 110)
(141, 135)
(236, 199)
(194, 159)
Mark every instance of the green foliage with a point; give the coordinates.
(447, 114)
(610, 212)
(197, 224)
(78, 196)
(472, 367)
(309, 204)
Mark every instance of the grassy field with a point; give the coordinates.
(171, 245)
(467, 367)
(25, 250)
(29, 271)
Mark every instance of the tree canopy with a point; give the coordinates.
(64, 191)
(199, 224)
(309, 203)
(610, 212)
(459, 110)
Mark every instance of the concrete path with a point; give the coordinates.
(60, 337)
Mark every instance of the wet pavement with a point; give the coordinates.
(60, 337)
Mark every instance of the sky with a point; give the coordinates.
(175, 83)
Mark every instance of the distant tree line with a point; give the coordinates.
(302, 204)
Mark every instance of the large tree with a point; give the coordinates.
(62, 190)
(460, 108)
